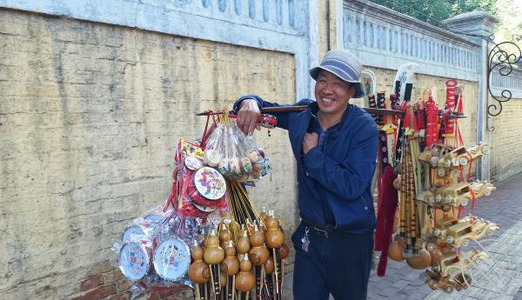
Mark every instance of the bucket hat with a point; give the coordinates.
(344, 65)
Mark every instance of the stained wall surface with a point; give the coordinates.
(90, 116)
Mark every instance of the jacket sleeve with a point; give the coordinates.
(351, 177)
(283, 118)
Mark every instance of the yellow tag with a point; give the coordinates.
(191, 149)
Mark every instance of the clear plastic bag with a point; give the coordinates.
(239, 156)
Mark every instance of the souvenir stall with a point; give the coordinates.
(208, 235)
(424, 189)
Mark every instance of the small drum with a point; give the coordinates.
(193, 163)
(171, 259)
(134, 260)
(204, 209)
(155, 218)
(139, 230)
(210, 183)
(207, 191)
(132, 232)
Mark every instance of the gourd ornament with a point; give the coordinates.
(263, 215)
(198, 271)
(274, 239)
(245, 280)
(231, 264)
(243, 243)
(396, 250)
(213, 256)
(258, 255)
(283, 251)
(225, 235)
(421, 261)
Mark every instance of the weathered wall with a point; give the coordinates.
(506, 159)
(90, 115)
(504, 122)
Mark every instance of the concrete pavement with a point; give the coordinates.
(503, 207)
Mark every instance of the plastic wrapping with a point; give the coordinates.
(158, 255)
(171, 259)
(235, 155)
(200, 189)
(153, 251)
(135, 259)
(143, 227)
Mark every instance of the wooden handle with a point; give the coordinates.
(297, 108)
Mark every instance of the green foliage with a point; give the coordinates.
(462, 6)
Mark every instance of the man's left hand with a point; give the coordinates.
(310, 141)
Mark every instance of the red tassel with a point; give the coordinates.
(388, 198)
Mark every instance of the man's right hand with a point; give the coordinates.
(247, 116)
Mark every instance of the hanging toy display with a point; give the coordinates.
(210, 210)
(427, 183)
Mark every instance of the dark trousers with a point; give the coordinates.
(338, 265)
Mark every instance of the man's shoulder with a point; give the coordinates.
(361, 114)
(302, 114)
(361, 119)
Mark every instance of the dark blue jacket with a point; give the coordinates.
(333, 182)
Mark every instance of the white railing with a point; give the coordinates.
(512, 83)
(387, 39)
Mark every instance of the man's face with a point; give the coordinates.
(332, 94)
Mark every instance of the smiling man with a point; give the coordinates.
(335, 146)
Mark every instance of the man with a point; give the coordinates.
(335, 146)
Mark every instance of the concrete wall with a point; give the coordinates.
(94, 96)
(506, 156)
(504, 129)
(280, 25)
(90, 115)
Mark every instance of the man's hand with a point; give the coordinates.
(247, 116)
(310, 141)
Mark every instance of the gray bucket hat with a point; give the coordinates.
(344, 65)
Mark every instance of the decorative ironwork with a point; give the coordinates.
(500, 58)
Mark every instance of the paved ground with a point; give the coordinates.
(503, 207)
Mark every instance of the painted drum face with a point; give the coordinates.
(134, 260)
(196, 198)
(132, 232)
(193, 163)
(172, 259)
(210, 183)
